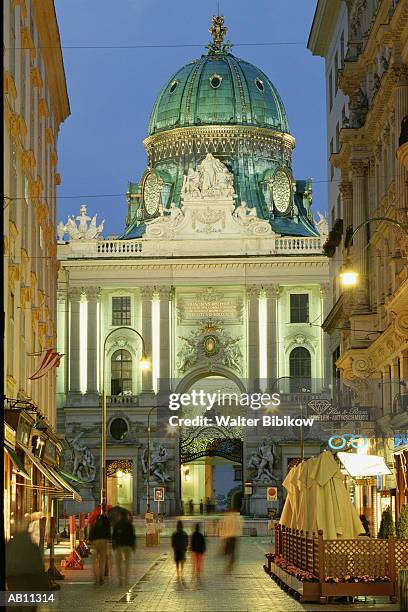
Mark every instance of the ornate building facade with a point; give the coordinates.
(220, 269)
(368, 324)
(35, 105)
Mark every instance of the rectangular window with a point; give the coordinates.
(339, 207)
(25, 215)
(23, 84)
(342, 49)
(343, 116)
(13, 181)
(299, 308)
(11, 305)
(121, 314)
(337, 137)
(330, 90)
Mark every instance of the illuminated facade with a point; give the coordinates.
(35, 105)
(220, 268)
(365, 48)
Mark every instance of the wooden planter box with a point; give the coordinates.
(342, 589)
(307, 591)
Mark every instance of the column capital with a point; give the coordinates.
(272, 290)
(146, 293)
(346, 190)
(399, 75)
(253, 291)
(75, 293)
(164, 292)
(359, 167)
(93, 293)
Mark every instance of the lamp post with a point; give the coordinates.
(349, 276)
(304, 390)
(144, 364)
(148, 460)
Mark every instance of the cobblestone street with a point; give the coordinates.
(154, 588)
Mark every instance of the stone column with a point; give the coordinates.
(253, 337)
(400, 78)
(146, 294)
(165, 294)
(93, 296)
(395, 386)
(272, 292)
(74, 339)
(346, 192)
(325, 338)
(359, 251)
(386, 379)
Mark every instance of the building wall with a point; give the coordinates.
(368, 323)
(35, 105)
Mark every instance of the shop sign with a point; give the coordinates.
(50, 452)
(23, 431)
(9, 435)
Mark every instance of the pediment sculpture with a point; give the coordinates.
(86, 229)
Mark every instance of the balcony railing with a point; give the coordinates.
(122, 400)
(287, 245)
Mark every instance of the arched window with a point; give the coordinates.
(300, 367)
(121, 373)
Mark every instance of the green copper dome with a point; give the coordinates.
(218, 89)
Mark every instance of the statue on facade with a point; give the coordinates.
(87, 229)
(212, 178)
(163, 226)
(158, 459)
(322, 224)
(245, 215)
(263, 461)
(358, 108)
(83, 462)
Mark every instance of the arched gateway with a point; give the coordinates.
(210, 457)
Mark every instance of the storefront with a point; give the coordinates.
(401, 471)
(364, 475)
(14, 472)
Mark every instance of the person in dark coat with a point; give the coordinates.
(366, 524)
(198, 548)
(99, 537)
(179, 542)
(123, 543)
(24, 566)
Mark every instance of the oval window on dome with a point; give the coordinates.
(173, 86)
(215, 81)
(259, 85)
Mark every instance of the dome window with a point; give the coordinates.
(259, 85)
(173, 86)
(215, 81)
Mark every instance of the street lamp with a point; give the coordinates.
(144, 364)
(148, 460)
(349, 277)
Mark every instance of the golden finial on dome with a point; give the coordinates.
(218, 31)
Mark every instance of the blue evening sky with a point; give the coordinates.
(112, 91)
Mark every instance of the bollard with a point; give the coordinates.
(73, 561)
(53, 572)
(403, 590)
(82, 548)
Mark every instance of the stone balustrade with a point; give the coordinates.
(111, 248)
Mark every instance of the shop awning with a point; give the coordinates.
(69, 476)
(364, 465)
(68, 488)
(16, 461)
(44, 470)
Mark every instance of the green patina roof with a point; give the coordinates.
(237, 101)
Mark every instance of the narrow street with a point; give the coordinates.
(153, 586)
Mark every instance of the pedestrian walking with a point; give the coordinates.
(179, 542)
(123, 543)
(99, 537)
(24, 566)
(190, 507)
(198, 547)
(230, 530)
(201, 507)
